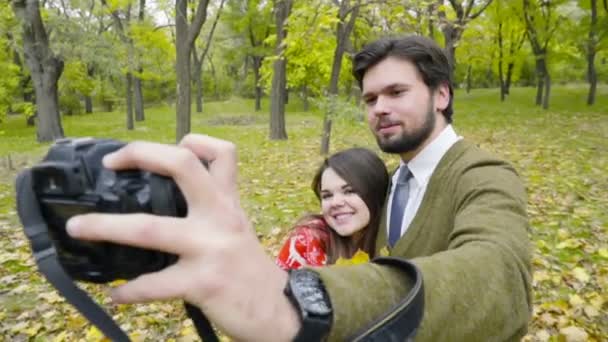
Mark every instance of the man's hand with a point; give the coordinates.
(222, 267)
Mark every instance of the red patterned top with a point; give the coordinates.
(306, 246)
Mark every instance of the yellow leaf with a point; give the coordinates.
(384, 251)
(576, 300)
(569, 244)
(61, 337)
(603, 252)
(93, 334)
(580, 274)
(33, 330)
(574, 334)
(118, 282)
(590, 311)
(188, 331)
(360, 257)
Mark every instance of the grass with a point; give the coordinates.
(561, 154)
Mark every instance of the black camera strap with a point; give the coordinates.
(48, 263)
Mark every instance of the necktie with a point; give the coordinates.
(400, 197)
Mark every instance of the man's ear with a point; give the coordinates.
(442, 97)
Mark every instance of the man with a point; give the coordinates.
(454, 211)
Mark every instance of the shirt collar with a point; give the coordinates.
(425, 162)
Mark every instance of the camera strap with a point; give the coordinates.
(48, 263)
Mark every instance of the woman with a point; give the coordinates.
(351, 186)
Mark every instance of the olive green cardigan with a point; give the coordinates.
(469, 239)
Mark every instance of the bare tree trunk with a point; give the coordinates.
(182, 70)
(185, 35)
(509, 77)
(542, 76)
(469, 78)
(547, 90)
(305, 98)
(343, 31)
(257, 65)
(279, 82)
(88, 100)
(591, 51)
(137, 81)
(139, 98)
(129, 96)
(45, 69)
(199, 60)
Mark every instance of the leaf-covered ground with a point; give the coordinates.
(561, 153)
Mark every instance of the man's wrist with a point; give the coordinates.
(290, 322)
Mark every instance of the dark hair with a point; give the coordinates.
(429, 59)
(366, 173)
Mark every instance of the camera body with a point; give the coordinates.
(71, 180)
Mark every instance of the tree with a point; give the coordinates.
(199, 60)
(185, 36)
(44, 66)
(541, 24)
(122, 28)
(347, 14)
(465, 11)
(137, 81)
(598, 32)
(279, 82)
(509, 37)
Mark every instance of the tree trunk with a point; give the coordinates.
(279, 82)
(509, 76)
(139, 98)
(451, 36)
(129, 91)
(45, 69)
(547, 89)
(469, 77)
(591, 51)
(305, 98)
(88, 104)
(185, 34)
(540, 78)
(257, 64)
(343, 30)
(198, 81)
(182, 70)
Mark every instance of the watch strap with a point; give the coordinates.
(316, 315)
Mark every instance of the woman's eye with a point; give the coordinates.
(397, 92)
(325, 196)
(349, 191)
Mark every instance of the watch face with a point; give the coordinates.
(309, 291)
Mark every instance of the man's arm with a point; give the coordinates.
(477, 289)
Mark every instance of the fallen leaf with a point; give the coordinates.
(580, 274)
(574, 334)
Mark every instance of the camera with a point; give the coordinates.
(71, 180)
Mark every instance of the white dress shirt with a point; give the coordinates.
(422, 167)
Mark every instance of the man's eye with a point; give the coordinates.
(370, 101)
(397, 92)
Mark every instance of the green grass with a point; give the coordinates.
(561, 153)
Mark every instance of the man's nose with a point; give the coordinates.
(380, 107)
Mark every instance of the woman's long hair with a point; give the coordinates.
(366, 173)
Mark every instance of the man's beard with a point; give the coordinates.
(409, 141)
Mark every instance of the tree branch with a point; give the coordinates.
(483, 8)
(199, 19)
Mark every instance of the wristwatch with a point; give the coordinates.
(306, 292)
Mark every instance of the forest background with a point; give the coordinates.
(274, 77)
